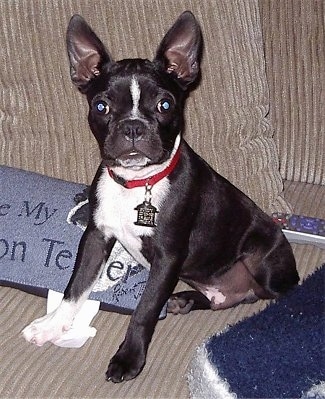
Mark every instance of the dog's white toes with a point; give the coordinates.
(35, 334)
(48, 328)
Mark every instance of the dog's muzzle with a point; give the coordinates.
(133, 129)
(134, 133)
(133, 159)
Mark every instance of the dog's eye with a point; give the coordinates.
(163, 106)
(102, 107)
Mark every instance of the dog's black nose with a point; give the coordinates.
(133, 130)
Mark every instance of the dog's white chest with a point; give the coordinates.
(116, 215)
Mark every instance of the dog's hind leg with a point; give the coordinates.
(229, 289)
(185, 301)
(275, 270)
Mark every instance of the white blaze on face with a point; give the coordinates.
(135, 94)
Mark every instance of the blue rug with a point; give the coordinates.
(278, 353)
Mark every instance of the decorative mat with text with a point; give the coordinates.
(41, 222)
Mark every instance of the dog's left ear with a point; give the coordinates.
(87, 54)
(180, 50)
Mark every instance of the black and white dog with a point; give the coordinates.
(159, 199)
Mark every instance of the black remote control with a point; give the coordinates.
(301, 229)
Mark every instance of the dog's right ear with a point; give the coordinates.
(87, 54)
(179, 53)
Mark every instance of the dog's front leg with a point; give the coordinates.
(131, 356)
(91, 255)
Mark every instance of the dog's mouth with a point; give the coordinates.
(133, 160)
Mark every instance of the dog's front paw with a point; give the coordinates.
(48, 328)
(124, 367)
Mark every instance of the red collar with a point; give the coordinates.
(149, 180)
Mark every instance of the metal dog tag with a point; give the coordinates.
(146, 214)
(146, 211)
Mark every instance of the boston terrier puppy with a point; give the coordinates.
(170, 210)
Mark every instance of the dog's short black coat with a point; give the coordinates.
(208, 233)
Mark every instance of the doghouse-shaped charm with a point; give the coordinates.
(146, 214)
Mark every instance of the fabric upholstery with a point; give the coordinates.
(293, 32)
(44, 122)
(52, 372)
(43, 128)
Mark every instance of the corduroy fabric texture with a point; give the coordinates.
(44, 120)
(293, 32)
(51, 372)
(43, 127)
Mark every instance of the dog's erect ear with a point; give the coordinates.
(86, 52)
(180, 50)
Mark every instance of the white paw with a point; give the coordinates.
(48, 328)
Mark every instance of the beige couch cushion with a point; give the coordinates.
(52, 372)
(43, 128)
(293, 32)
(43, 118)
